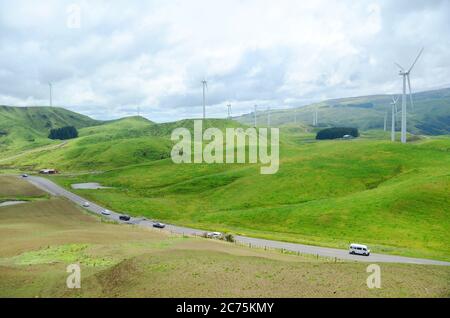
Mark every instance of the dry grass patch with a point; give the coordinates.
(12, 186)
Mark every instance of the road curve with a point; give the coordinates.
(56, 190)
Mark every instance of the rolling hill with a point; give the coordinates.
(389, 195)
(431, 114)
(23, 128)
(41, 237)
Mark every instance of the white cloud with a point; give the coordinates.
(154, 55)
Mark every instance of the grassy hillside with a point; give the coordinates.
(128, 141)
(391, 196)
(41, 238)
(431, 113)
(23, 128)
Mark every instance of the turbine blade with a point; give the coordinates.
(401, 67)
(410, 93)
(420, 53)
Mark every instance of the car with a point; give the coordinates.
(359, 249)
(215, 235)
(86, 204)
(159, 225)
(24, 175)
(124, 218)
(106, 212)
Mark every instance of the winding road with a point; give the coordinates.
(57, 190)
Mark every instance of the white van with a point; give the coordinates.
(359, 249)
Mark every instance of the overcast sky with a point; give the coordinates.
(115, 56)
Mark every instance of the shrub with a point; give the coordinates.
(337, 132)
(229, 238)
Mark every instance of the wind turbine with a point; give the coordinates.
(315, 117)
(229, 111)
(268, 117)
(393, 114)
(406, 78)
(205, 86)
(50, 97)
(256, 107)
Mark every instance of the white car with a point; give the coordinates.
(359, 249)
(86, 204)
(215, 235)
(106, 212)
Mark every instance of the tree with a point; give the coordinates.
(63, 133)
(337, 132)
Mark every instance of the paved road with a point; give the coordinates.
(54, 189)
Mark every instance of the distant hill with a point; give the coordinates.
(431, 114)
(27, 127)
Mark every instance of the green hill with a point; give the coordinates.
(391, 196)
(431, 113)
(24, 128)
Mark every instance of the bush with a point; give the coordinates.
(337, 132)
(229, 238)
(63, 133)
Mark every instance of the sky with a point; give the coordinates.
(107, 59)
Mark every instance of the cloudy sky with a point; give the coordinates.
(107, 58)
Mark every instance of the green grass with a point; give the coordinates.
(41, 238)
(25, 128)
(431, 114)
(393, 197)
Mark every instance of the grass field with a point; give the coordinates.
(11, 187)
(40, 238)
(393, 197)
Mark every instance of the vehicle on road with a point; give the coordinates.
(86, 204)
(24, 175)
(124, 217)
(359, 249)
(106, 212)
(159, 225)
(214, 235)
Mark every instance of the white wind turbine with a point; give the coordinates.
(205, 86)
(50, 97)
(405, 75)
(393, 114)
(229, 111)
(256, 107)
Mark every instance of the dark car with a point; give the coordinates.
(124, 218)
(159, 225)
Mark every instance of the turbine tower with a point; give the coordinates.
(229, 111)
(50, 96)
(393, 114)
(205, 86)
(256, 107)
(405, 75)
(268, 117)
(315, 117)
